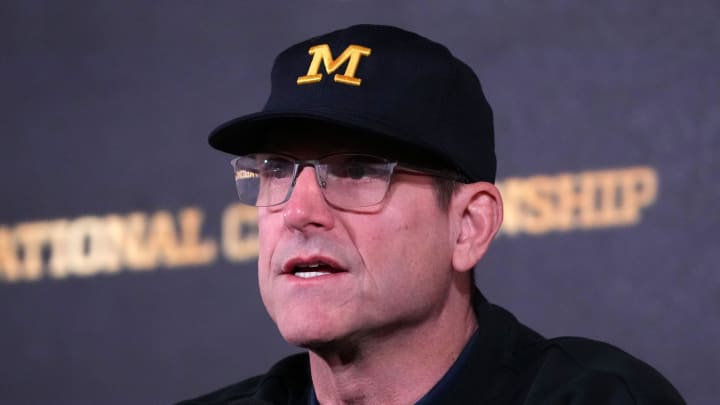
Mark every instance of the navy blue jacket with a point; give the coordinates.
(507, 363)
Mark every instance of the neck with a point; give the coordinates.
(398, 367)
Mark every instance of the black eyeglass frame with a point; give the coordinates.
(392, 166)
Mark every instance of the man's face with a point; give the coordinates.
(389, 266)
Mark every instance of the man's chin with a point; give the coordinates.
(316, 340)
(307, 340)
(342, 349)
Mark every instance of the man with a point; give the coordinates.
(372, 167)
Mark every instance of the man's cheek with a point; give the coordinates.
(266, 241)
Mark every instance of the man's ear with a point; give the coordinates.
(480, 209)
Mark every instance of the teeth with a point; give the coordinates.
(311, 274)
(310, 265)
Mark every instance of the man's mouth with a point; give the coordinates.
(312, 269)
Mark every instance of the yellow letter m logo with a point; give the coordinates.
(351, 55)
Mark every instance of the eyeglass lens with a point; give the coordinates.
(346, 180)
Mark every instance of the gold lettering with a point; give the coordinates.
(163, 239)
(510, 190)
(115, 232)
(9, 263)
(58, 266)
(539, 205)
(31, 237)
(604, 199)
(322, 53)
(639, 190)
(157, 241)
(90, 245)
(239, 233)
(137, 257)
(193, 249)
(587, 200)
(91, 248)
(160, 245)
(528, 205)
(575, 196)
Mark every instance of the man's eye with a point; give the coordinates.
(276, 169)
(350, 170)
(356, 171)
(356, 167)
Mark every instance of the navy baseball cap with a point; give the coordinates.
(379, 81)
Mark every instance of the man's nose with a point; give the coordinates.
(307, 209)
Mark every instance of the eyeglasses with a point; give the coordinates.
(347, 180)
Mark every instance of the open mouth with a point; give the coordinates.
(313, 269)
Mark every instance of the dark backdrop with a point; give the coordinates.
(105, 110)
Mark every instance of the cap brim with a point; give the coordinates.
(249, 133)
